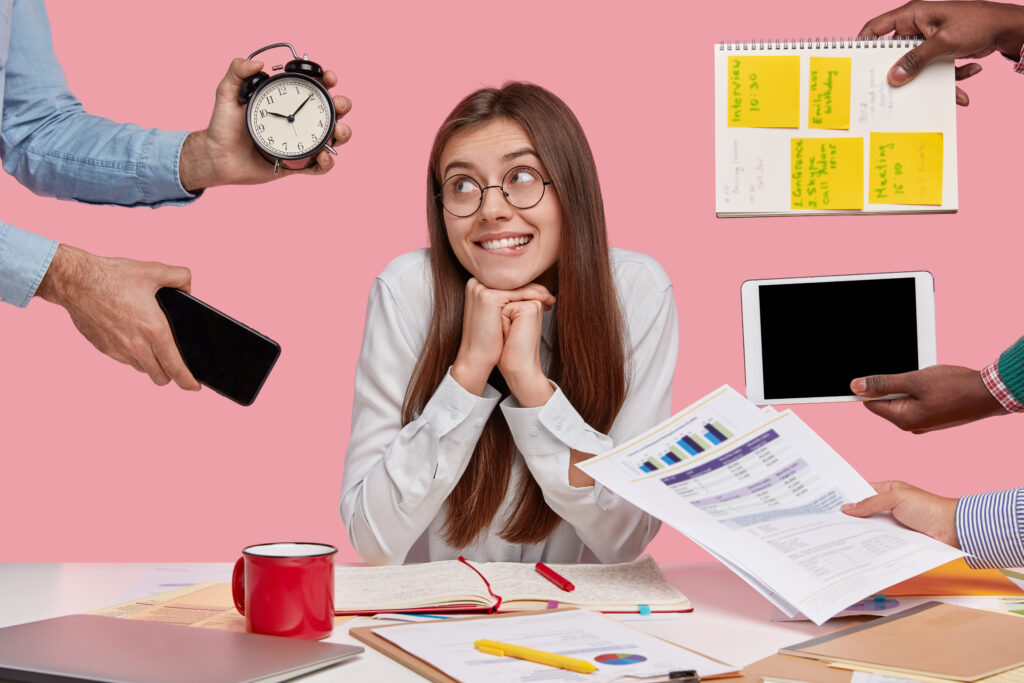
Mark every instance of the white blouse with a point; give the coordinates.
(397, 477)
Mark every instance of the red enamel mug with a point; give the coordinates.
(286, 589)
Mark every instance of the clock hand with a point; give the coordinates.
(300, 106)
(280, 116)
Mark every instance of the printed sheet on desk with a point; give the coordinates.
(614, 648)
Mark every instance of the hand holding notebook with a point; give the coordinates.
(813, 127)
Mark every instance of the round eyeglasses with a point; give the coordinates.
(523, 187)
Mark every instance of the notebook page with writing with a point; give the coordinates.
(448, 583)
(463, 586)
(603, 587)
(812, 127)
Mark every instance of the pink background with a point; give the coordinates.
(99, 464)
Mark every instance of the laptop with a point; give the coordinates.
(85, 647)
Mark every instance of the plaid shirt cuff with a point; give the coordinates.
(1019, 66)
(990, 375)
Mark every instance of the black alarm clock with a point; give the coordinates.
(290, 115)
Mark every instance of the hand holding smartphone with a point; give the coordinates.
(221, 353)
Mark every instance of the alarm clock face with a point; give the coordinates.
(290, 117)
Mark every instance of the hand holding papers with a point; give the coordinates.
(761, 492)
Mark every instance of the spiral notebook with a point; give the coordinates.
(806, 127)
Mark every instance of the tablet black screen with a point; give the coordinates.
(817, 336)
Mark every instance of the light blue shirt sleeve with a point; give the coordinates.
(55, 148)
(990, 528)
(24, 259)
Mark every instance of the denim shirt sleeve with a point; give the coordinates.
(52, 146)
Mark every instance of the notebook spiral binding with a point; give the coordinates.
(822, 43)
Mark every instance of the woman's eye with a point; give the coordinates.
(464, 186)
(523, 176)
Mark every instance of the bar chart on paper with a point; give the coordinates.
(716, 419)
(704, 438)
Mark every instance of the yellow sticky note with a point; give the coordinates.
(829, 93)
(764, 91)
(906, 168)
(826, 174)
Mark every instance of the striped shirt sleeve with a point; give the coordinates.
(990, 528)
(1019, 66)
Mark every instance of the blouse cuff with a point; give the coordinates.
(989, 528)
(551, 428)
(459, 414)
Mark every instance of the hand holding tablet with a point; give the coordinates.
(806, 338)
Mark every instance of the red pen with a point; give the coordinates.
(554, 577)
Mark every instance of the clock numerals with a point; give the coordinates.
(291, 118)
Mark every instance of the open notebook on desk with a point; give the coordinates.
(453, 585)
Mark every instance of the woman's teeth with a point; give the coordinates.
(506, 243)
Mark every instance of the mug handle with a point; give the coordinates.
(238, 585)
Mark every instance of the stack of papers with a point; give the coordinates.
(760, 491)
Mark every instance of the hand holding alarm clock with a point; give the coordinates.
(228, 152)
(290, 115)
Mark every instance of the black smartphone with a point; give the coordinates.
(220, 352)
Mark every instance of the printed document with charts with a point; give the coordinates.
(761, 492)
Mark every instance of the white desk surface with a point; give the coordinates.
(730, 620)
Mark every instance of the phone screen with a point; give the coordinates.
(817, 336)
(222, 353)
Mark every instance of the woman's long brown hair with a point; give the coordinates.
(588, 358)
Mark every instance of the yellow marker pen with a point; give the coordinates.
(493, 647)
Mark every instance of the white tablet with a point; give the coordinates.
(806, 338)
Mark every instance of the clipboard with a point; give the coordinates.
(367, 636)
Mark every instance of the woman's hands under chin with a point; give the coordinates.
(521, 325)
(485, 334)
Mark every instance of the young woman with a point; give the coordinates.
(518, 301)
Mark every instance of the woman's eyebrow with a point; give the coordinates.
(464, 165)
(519, 153)
(510, 156)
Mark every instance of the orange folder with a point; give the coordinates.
(956, 578)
